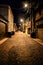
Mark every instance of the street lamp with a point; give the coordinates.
(21, 20)
(25, 5)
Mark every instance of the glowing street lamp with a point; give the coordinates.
(25, 5)
(21, 20)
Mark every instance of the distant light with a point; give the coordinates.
(26, 5)
(21, 20)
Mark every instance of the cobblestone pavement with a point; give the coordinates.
(20, 49)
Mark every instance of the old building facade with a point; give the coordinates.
(6, 20)
(37, 19)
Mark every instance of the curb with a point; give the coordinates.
(3, 40)
(38, 40)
